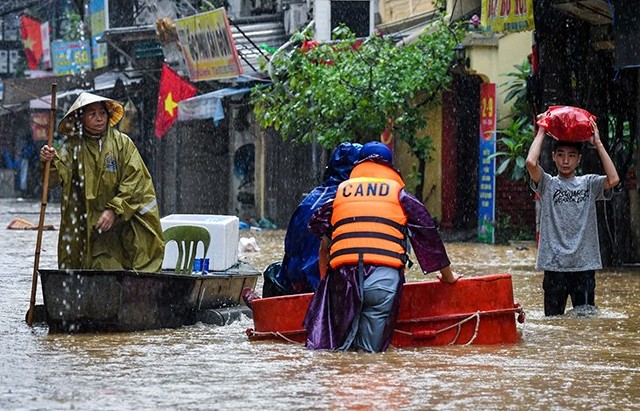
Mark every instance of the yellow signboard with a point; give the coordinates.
(507, 15)
(208, 47)
(99, 12)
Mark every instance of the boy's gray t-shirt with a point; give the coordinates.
(568, 222)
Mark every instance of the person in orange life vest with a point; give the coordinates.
(364, 233)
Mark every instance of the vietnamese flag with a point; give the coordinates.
(32, 40)
(173, 89)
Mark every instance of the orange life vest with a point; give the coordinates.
(368, 222)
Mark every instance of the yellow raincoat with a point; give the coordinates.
(97, 174)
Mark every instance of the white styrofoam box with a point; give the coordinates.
(224, 231)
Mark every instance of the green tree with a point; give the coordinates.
(514, 141)
(74, 29)
(354, 90)
(516, 88)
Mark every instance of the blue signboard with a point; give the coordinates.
(70, 57)
(487, 164)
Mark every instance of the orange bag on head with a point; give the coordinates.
(568, 123)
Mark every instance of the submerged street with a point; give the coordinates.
(576, 361)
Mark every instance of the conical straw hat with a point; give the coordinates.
(67, 124)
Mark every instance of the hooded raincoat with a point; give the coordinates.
(106, 173)
(299, 271)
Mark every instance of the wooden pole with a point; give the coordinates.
(43, 207)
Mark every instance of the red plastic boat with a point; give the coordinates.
(474, 310)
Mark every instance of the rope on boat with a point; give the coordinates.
(459, 324)
(261, 334)
(516, 309)
(284, 337)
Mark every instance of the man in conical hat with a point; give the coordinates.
(110, 217)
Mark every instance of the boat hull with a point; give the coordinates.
(122, 301)
(475, 310)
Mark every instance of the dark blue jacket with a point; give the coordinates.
(299, 270)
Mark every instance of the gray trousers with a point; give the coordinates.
(379, 291)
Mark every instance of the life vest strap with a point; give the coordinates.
(371, 219)
(369, 234)
(370, 250)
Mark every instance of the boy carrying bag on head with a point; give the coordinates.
(569, 249)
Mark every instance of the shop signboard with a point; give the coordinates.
(99, 13)
(70, 57)
(208, 47)
(40, 121)
(507, 15)
(487, 164)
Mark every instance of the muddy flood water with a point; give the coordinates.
(572, 362)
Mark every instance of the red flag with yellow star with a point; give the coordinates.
(173, 89)
(32, 40)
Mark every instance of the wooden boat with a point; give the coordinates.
(116, 301)
(475, 310)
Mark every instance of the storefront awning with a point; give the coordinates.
(595, 12)
(207, 105)
(44, 102)
(21, 90)
(105, 81)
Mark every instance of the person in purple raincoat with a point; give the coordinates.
(364, 233)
